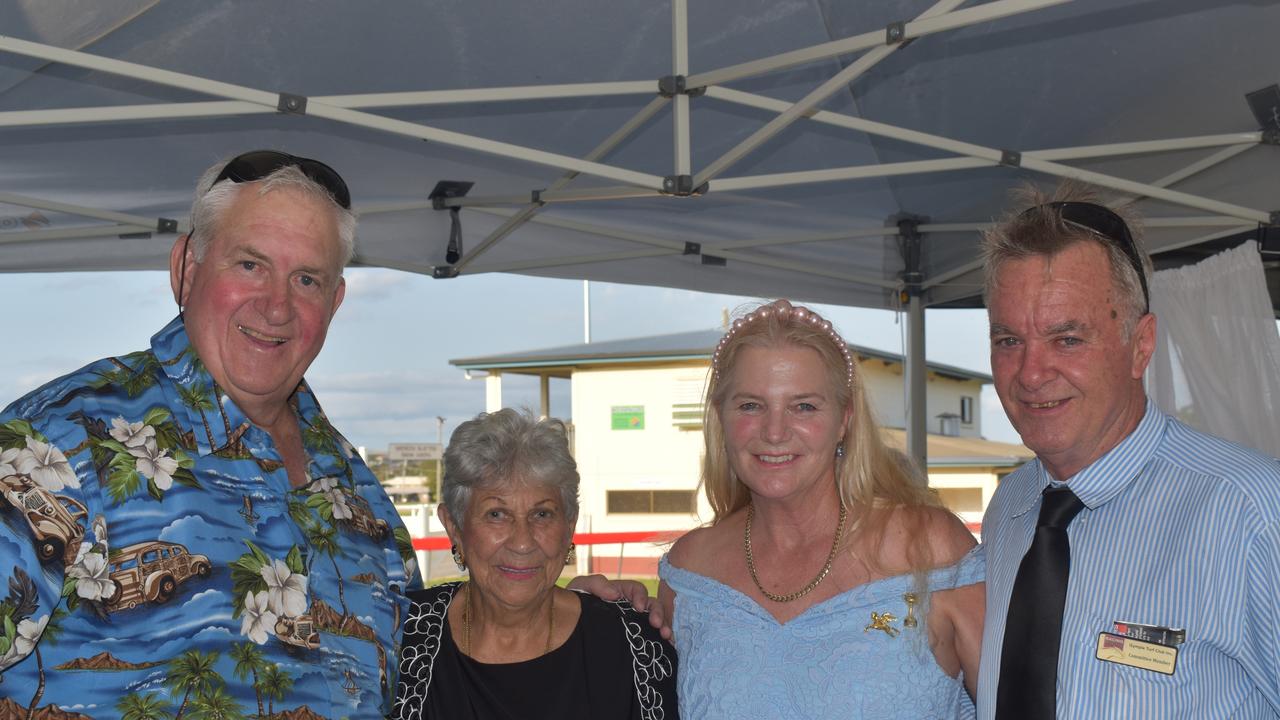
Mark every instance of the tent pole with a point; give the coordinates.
(932, 21)
(665, 246)
(680, 101)
(605, 147)
(805, 105)
(917, 428)
(909, 243)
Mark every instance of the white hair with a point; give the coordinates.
(212, 201)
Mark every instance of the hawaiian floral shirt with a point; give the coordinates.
(159, 565)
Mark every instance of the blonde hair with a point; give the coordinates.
(871, 477)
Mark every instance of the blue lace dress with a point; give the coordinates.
(738, 663)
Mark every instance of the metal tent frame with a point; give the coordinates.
(1201, 216)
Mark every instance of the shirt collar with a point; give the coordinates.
(202, 408)
(214, 420)
(1107, 476)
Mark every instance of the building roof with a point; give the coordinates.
(949, 451)
(695, 345)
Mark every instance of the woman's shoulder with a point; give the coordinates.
(616, 616)
(433, 594)
(699, 549)
(936, 530)
(428, 608)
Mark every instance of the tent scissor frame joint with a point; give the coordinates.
(1270, 136)
(444, 272)
(895, 32)
(670, 86)
(291, 104)
(166, 226)
(1011, 158)
(681, 186)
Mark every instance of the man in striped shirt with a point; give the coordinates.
(1174, 580)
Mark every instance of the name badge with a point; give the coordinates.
(1137, 653)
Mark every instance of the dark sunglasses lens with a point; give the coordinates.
(1103, 221)
(255, 165)
(1099, 219)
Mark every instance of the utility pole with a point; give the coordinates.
(439, 460)
(586, 311)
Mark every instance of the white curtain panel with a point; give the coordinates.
(1217, 360)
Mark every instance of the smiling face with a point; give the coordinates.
(258, 306)
(1069, 380)
(514, 538)
(782, 422)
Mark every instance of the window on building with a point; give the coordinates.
(966, 409)
(686, 404)
(651, 501)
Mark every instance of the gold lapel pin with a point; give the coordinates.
(881, 621)
(911, 599)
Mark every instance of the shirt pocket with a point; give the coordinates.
(1126, 682)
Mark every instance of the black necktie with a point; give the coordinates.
(1033, 632)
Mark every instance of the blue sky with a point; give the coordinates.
(384, 374)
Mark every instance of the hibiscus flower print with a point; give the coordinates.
(46, 466)
(131, 435)
(338, 499)
(92, 574)
(9, 461)
(286, 590)
(155, 464)
(258, 619)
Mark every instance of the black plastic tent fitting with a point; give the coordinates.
(291, 104)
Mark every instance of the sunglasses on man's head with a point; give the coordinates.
(257, 164)
(1105, 223)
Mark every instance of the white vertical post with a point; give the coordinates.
(680, 68)
(544, 395)
(493, 391)
(586, 311)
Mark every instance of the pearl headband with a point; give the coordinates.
(800, 315)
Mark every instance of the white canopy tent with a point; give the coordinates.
(815, 149)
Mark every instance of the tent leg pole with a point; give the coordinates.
(917, 427)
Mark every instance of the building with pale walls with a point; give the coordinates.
(636, 411)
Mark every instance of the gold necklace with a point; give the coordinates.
(466, 624)
(822, 574)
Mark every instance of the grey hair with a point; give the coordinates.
(212, 201)
(1022, 234)
(508, 445)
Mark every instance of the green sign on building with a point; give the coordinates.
(628, 417)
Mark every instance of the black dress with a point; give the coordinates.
(613, 666)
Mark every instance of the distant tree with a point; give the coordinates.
(193, 672)
(325, 540)
(50, 635)
(216, 704)
(197, 397)
(137, 706)
(276, 684)
(249, 662)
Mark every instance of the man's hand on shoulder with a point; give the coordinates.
(632, 590)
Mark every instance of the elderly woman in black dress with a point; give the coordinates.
(508, 643)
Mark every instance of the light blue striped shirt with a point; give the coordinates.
(1180, 529)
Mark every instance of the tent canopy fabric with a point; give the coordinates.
(783, 178)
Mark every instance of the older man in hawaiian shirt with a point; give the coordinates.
(182, 531)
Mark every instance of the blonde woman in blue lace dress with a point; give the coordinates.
(830, 583)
